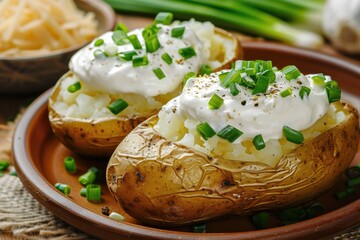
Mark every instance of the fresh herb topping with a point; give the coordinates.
(127, 56)
(70, 165)
(345, 193)
(135, 41)
(258, 142)
(166, 57)
(199, 228)
(187, 52)
(110, 51)
(164, 18)
(205, 130)
(319, 79)
(215, 102)
(99, 42)
(261, 220)
(83, 192)
(233, 89)
(333, 91)
(122, 27)
(87, 178)
(118, 106)
(292, 135)
(138, 61)
(287, 92)
(177, 32)
(120, 37)
(304, 91)
(64, 188)
(188, 76)
(93, 192)
(229, 133)
(98, 54)
(74, 87)
(291, 72)
(152, 44)
(159, 73)
(232, 76)
(205, 69)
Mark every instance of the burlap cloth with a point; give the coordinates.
(24, 218)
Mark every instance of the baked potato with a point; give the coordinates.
(162, 178)
(81, 119)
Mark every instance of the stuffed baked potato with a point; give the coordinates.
(170, 170)
(106, 70)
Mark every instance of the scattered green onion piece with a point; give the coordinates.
(70, 165)
(304, 90)
(93, 192)
(164, 18)
(258, 142)
(187, 52)
(261, 220)
(177, 32)
(353, 172)
(229, 133)
(293, 214)
(127, 56)
(138, 61)
(150, 31)
(120, 37)
(232, 76)
(98, 42)
(250, 71)
(332, 84)
(83, 192)
(265, 65)
(292, 135)
(152, 44)
(118, 106)
(13, 172)
(205, 130)
(315, 210)
(215, 102)
(261, 85)
(64, 188)
(286, 92)
(243, 64)
(4, 165)
(188, 76)
(99, 54)
(110, 51)
(334, 94)
(222, 76)
(97, 172)
(116, 216)
(1, 174)
(291, 72)
(247, 82)
(233, 89)
(135, 41)
(319, 79)
(343, 194)
(159, 73)
(166, 57)
(353, 182)
(122, 27)
(205, 69)
(199, 228)
(87, 178)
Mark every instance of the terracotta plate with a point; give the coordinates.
(39, 162)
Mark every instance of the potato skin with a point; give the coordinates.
(101, 137)
(162, 183)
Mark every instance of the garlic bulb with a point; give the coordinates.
(341, 24)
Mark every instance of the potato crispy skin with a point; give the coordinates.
(162, 183)
(100, 138)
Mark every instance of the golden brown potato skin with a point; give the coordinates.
(162, 183)
(100, 138)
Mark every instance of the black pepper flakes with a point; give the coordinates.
(105, 211)
(243, 103)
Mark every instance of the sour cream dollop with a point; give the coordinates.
(266, 113)
(112, 75)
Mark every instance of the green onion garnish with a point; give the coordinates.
(122, 27)
(187, 52)
(315, 210)
(292, 135)
(150, 31)
(261, 220)
(205, 130)
(188, 76)
(332, 84)
(199, 228)
(98, 42)
(261, 85)
(13, 172)
(334, 94)
(222, 76)
(166, 57)
(64, 188)
(232, 76)
(353, 182)
(120, 37)
(293, 214)
(229, 133)
(152, 44)
(286, 92)
(291, 72)
(215, 102)
(4, 165)
(87, 178)
(319, 79)
(304, 90)
(116, 216)
(353, 172)
(99, 54)
(233, 89)
(83, 192)
(118, 106)
(127, 56)
(70, 165)
(177, 32)
(159, 73)
(74, 87)
(343, 194)
(138, 61)
(110, 51)
(164, 18)
(258, 142)
(205, 69)
(135, 41)
(93, 192)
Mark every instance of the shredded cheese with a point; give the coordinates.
(38, 27)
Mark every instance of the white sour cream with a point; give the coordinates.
(264, 114)
(116, 76)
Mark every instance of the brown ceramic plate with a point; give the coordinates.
(39, 161)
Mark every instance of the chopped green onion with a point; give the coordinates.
(343, 194)
(70, 165)
(127, 56)
(353, 172)
(64, 188)
(258, 142)
(177, 32)
(83, 192)
(304, 90)
(110, 51)
(166, 57)
(233, 89)
(138, 61)
(286, 92)
(353, 182)
(87, 178)
(229, 133)
(199, 228)
(4, 165)
(205, 130)
(261, 85)
(13, 172)
(99, 54)
(93, 192)
(118, 106)
(135, 41)
(188, 76)
(97, 172)
(334, 94)
(152, 44)
(215, 102)
(332, 84)
(232, 76)
(98, 42)
(120, 37)
(122, 27)
(319, 79)
(116, 216)
(291, 72)
(292, 135)
(205, 69)
(293, 214)
(159, 73)
(261, 220)
(150, 31)
(164, 18)
(315, 210)
(187, 52)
